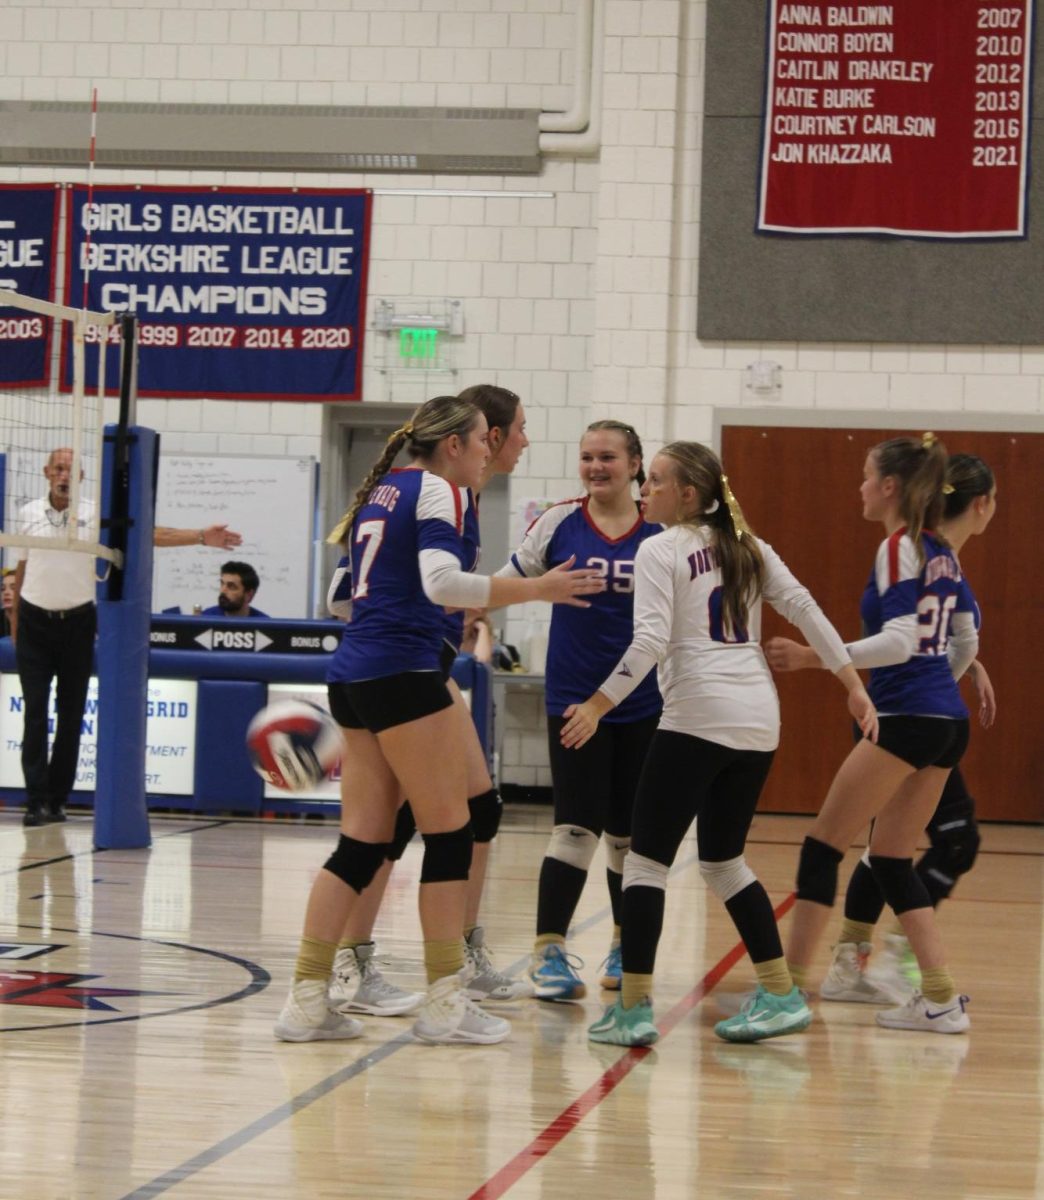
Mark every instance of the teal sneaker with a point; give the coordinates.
(612, 969)
(625, 1026)
(766, 1015)
(554, 976)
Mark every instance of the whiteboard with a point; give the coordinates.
(270, 501)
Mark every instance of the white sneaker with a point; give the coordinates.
(357, 985)
(895, 969)
(448, 1016)
(920, 1013)
(306, 1016)
(848, 979)
(485, 982)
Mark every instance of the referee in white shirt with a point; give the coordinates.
(54, 624)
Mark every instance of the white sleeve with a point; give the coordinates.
(964, 643)
(530, 559)
(792, 600)
(894, 568)
(653, 617)
(339, 596)
(896, 642)
(446, 584)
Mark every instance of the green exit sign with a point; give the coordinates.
(418, 343)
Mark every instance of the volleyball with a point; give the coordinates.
(293, 744)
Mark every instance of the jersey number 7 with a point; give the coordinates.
(372, 533)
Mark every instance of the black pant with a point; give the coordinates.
(595, 786)
(52, 646)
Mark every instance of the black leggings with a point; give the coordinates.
(687, 778)
(595, 786)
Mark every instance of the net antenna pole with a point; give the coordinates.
(89, 208)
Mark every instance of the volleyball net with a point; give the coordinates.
(52, 434)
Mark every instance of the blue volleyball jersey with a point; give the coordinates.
(585, 644)
(454, 626)
(936, 590)
(394, 627)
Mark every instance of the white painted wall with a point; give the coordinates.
(583, 301)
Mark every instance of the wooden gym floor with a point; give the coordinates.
(136, 1055)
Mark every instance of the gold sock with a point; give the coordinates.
(548, 939)
(856, 931)
(799, 975)
(937, 985)
(443, 958)
(314, 959)
(634, 989)
(773, 976)
(353, 943)
(616, 936)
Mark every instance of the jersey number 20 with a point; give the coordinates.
(934, 615)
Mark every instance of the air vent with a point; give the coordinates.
(259, 137)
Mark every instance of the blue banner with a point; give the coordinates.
(240, 293)
(28, 237)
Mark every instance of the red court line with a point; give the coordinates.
(570, 1117)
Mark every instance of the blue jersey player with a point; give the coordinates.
(357, 985)
(388, 694)
(971, 500)
(920, 618)
(594, 789)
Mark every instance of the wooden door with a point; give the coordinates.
(800, 491)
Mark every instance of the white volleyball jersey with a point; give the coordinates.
(715, 682)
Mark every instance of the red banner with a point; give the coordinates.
(909, 118)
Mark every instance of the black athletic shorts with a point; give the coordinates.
(378, 704)
(924, 741)
(447, 657)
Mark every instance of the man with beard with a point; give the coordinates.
(239, 583)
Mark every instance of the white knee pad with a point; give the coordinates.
(729, 878)
(615, 851)
(574, 845)
(640, 871)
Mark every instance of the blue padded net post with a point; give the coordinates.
(121, 818)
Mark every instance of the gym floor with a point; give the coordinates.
(139, 990)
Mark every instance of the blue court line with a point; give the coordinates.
(270, 1120)
(236, 1141)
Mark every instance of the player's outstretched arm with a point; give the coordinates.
(220, 537)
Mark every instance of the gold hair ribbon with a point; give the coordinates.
(405, 431)
(339, 533)
(948, 489)
(735, 512)
(928, 440)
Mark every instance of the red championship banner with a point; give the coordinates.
(909, 118)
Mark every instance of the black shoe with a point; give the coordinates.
(34, 816)
(55, 814)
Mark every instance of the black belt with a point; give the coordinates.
(57, 614)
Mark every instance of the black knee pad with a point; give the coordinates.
(900, 884)
(355, 863)
(447, 856)
(954, 849)
(405, 828)
(817, 872)
(486, 811)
